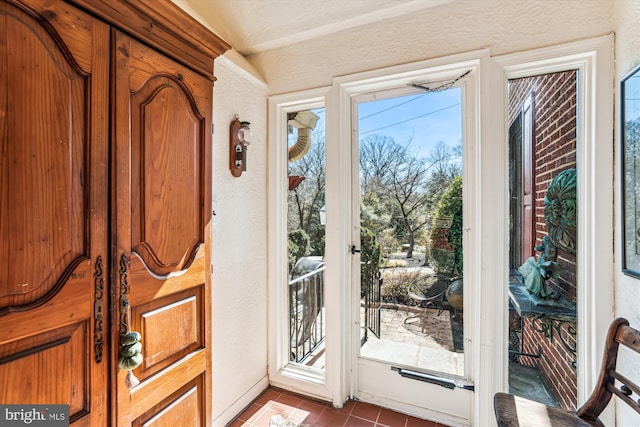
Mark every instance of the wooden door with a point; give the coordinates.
(161, 179)
(515, 185)
(528, 194)
(54, 259)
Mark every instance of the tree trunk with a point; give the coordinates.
(411, 244)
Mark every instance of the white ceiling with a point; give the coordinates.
(252, 26)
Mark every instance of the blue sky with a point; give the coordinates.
(428, 117)
(632, 98)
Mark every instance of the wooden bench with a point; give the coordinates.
(514, 411)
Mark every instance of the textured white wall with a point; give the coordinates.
(627, 295)
(627, 14)
(239, 255)
(503, 25)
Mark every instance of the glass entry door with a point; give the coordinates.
(408, 220)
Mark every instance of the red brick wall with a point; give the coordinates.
(440, 239)
(554, 151)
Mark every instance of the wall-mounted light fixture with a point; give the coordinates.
(239, 139)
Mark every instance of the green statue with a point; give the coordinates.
(560, 210)
(536, 273)
(560, 214)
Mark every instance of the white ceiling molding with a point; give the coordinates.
(252, 26)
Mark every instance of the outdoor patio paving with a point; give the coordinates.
(439, 330)
(438, 349)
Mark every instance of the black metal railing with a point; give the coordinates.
(306, 324)
(370, 285)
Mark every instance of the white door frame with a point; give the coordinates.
(281, 372)
(593, 59)
(487, 251)
(481, 202)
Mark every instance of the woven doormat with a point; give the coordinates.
(280, 421)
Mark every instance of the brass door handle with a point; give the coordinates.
(130, 356)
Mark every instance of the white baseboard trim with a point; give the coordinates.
(224, 418)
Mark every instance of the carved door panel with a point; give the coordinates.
(162, 211)
(54, 87)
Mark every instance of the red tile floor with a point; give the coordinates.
(313, 413)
